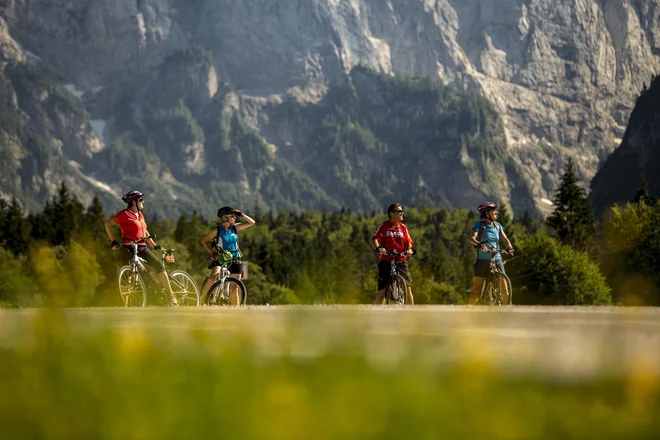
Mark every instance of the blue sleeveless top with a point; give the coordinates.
(228, 239)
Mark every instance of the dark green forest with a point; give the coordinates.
(61, 256)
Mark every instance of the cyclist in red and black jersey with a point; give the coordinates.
(392, 235)
(134, 227)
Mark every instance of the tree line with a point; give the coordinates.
(61, 255)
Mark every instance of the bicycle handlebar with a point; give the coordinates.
(394, 253)
(138, 241)
(494, 250)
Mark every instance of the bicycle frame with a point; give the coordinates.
(222, 276)
(494, 270)
(394, 272)
(138, 264)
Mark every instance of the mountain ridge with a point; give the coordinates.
(562, 77)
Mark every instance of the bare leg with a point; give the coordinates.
(505, 291)
(209, 282)
(380, 296)
(411, 299)
(233, 290)
(166, 282)
(477, 285)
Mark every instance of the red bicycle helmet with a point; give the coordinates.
(132, 195)
(487, 206)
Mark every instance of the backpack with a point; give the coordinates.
(483, 228)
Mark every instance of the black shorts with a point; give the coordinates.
(235, 267)
(482, 267)
(384, 273)
(143, 252)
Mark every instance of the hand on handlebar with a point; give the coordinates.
(114, 245)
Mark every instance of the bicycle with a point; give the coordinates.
(132, 287)
(491, 291)
(397, 290)
(219, 294)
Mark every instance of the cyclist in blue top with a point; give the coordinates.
(487, 230)
(225, 236)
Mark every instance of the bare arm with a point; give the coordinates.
(506, 240)
(150, 241)
(473, 238)
(247, 222)
(108, 229)
(376, 244)
(208, 238)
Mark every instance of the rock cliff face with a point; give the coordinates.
(44, 132)
(563, 75)
(617, 181)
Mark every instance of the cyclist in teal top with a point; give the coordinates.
(486, 233)
(225, 236)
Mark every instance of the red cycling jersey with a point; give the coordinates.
(133, 226)
(392, 237)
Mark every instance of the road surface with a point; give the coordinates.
(555, 342)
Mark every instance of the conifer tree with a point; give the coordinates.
(572, 220)
(642, 193)
(16, 229)
(505, 220)
(95, 216)
(66, 216)
(3, 220)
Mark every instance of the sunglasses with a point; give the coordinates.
(140, 200)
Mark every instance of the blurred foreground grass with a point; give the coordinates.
(160, 374)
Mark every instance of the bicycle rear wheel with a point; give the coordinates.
(220, 293)
(184, 288)
(497, 291)
(132, 290)
(397, 291)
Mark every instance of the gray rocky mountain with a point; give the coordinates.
(562, 75)
(639, 154)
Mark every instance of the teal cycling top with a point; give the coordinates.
(490, 234)
(228, 239)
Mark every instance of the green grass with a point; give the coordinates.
(122, 374)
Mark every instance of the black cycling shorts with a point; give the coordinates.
(384, 273)
(482, 267)
(143, 252)
(235, 267)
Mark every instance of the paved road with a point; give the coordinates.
(560, 342)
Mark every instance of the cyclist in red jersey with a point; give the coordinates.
(392, 234)
(134, 227)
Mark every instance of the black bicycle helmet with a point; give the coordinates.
(225, 210)
(487, 206)
(131, 195)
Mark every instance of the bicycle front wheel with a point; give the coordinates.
(498, 291)
(184, 288)
(397, 292)
(131, 287)
(221, 291)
